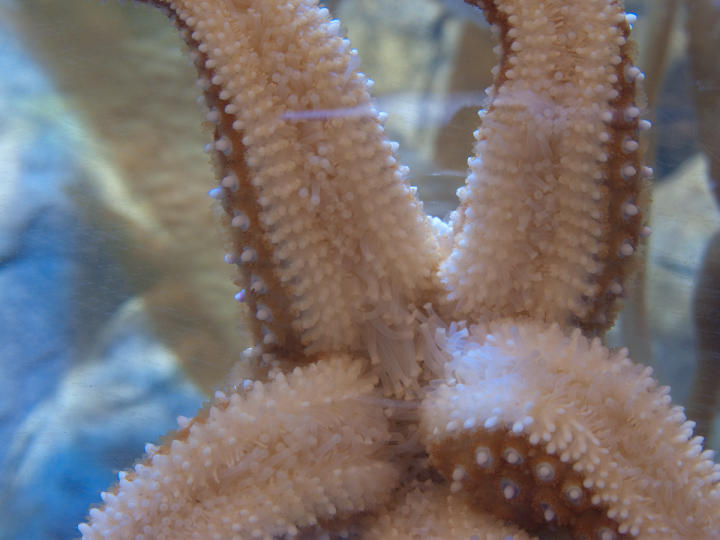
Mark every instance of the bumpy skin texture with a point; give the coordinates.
(331, 232)
(549, 213)
(263, 461)
(425, 511)
(544, 426)
(504, 407)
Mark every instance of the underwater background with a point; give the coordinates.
(116, 309)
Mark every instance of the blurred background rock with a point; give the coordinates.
(116, 310)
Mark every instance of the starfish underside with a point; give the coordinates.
(424, 379)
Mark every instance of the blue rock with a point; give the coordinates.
(72, 411)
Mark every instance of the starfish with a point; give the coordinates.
(422, 379)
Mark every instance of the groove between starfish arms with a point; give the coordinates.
(416, 378)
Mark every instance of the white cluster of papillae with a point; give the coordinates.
(312, 448)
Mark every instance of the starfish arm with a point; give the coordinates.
(548, 216)
(425, 511)
(541, 426)
(261, 462)
(324, 226)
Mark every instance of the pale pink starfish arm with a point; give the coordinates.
(263, 461)
(549, 212)
(540, 426)
(326, 229)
